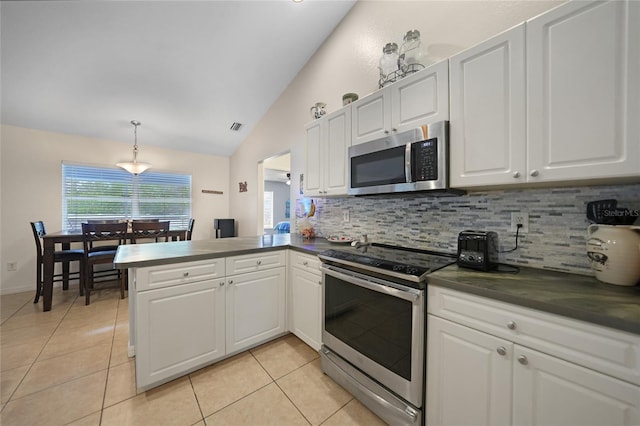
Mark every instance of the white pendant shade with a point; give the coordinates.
(134, 167)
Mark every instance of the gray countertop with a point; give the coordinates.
(570, 295)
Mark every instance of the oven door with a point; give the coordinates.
(378, 327)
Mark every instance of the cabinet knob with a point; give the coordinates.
(230, 282)
(259, 262)
(185, 274)
(501, 351)
(305, 263)
(534, 173)
(394, 130)
(386, 132)
(523, 360)
(516, 175)
(221, 283)
(511, 325)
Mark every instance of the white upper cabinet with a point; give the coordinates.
(327, 145)
(422, 98)
(583, 76)
(566, 110)
(487, 129)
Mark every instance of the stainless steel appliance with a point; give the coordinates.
(478, 250)
(374, 326)
(415, 160)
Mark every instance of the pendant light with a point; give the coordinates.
(134, 167)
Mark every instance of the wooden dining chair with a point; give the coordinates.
(146, 230)
(93, 235)
(59, 256)
(192, 221)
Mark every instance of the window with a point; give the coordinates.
(268, 209)
(95, 193)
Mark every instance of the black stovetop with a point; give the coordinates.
(400, 262)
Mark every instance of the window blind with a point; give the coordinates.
(106, 193)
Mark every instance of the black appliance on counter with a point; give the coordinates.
(478, 250)
(224, 228)
(374, 326)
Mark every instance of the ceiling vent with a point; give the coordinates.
(236, 126)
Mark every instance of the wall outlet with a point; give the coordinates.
(520, 218)
(345, 216)
(12, 266)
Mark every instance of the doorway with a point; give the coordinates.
(276, 194)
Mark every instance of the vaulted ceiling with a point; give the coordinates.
(187, 70)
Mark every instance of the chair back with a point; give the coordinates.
(97, 232)
(144, 230)
(192, 221)
(38, 233)
(104, 221)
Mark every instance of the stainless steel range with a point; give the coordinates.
(374, 325)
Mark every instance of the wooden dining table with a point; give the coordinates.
(65, 238)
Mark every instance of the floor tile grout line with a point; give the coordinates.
(106, 382)
(195, 395)
(36, 358)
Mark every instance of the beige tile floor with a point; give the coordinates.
(69, 366)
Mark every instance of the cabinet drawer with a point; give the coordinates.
(307, 262)
(610, 351)
(160, 276)
(255, 262)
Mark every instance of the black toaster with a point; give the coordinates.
(478, 250)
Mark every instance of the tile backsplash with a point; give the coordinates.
(557, 221)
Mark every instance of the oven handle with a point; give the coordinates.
(409, 294)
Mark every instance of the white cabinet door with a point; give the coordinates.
(583, 86)
(306, 302)
(313, 169)
(549, 391)
(178, 329)
(335, 152)
(255, 308)
(421, 98)
(371, 117)
(468, 376)
(488, 103)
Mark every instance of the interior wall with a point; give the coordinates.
(347, 62)
(31, 183)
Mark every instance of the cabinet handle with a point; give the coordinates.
(501, 351)
(516, 175)
(185, 274)
(511, 325)
(523, 360)
(534, 173)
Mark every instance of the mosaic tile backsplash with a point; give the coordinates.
(557, 221)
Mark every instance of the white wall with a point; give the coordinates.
(347, 62)
(31, 182)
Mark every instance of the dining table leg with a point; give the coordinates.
(47, 281)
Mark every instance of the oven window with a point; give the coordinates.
(374, 324)
(378, 168)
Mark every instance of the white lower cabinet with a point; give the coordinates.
(179, 328)
(255, 308)
(468, 381)
(482, 374)
(187, 315)
(305, 292)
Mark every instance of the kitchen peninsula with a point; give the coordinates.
(192, 303)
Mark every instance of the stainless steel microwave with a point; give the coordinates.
(415, 160)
